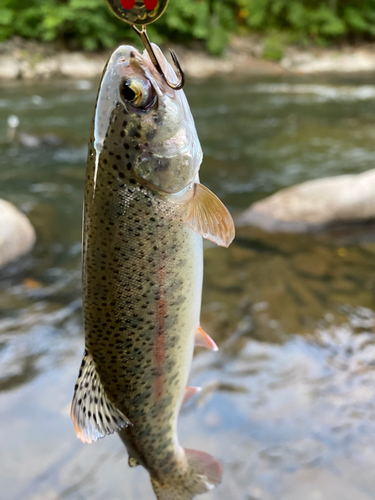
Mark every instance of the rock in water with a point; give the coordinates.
(17, 235)
(315, 204)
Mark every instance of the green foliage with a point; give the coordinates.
(90, 24)
(312, 19)
(274, 46)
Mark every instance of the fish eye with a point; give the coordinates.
(138, 91)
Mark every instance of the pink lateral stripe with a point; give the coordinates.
(159, 347)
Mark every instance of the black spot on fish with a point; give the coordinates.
(129, 166)
(150, 135)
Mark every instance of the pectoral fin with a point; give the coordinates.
(93, 414)
(208, 217)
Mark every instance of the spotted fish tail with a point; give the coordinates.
(203, 474)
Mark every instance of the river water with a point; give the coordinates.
(288, 402)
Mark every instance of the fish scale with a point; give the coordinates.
(143, 236)
(144, 217)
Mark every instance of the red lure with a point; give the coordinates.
(129, 4)
(138, 11)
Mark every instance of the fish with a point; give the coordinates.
(145, 215)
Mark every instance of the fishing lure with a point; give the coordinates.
(145, 12)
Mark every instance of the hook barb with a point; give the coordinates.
(146, 42)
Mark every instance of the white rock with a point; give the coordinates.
(316, 203)
(47, 68)
(17, 235)
(77, 65)
(27, 71)
(9, 68)
(329, 61)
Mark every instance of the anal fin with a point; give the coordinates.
(189, 393)
(202, 339)
(93, 414)
(208, 217)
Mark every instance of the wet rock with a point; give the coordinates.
(77, 65)
(9, 68)
(46, 68)
(17, 235)
(346, 60)
(22, 64)
(315, 204)
(31, 60)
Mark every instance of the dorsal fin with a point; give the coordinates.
(93, 414)
(208, 217)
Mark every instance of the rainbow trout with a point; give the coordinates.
(145, 213)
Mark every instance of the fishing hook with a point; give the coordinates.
(146, 42)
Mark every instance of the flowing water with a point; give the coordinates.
(288, 403)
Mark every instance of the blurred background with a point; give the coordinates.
(288, 402)
(88, 24)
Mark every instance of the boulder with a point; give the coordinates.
(315, 204)
(78, 65)
(17, 235)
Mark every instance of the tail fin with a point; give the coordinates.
(203, 473)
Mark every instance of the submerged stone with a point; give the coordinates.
(315, 204)
(17, 235)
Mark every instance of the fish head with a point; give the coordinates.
(136, 107)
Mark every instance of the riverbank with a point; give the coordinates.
(27, 60)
